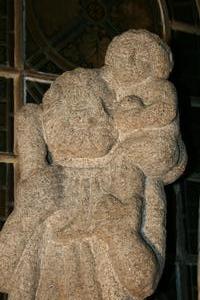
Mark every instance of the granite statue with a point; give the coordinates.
(89, 216)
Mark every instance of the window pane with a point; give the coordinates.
(35, 91)
(6, 33)
(6, 191)
(3, 296)
(6, 115)
(185, 48)
(62, 35)
(193, 281)
(190, 210)
(184, 11)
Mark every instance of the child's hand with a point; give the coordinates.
(130, 103)
(127, 113)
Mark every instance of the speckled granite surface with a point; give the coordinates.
(91, 225)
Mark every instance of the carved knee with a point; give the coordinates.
(147, 273)
(135, 265)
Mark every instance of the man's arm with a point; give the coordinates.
(35, 194)
(31, 148)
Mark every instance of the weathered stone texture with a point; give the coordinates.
(91, 225)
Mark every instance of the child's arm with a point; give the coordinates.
(159, 110)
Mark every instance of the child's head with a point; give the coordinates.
(139, 54)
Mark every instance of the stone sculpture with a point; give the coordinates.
(89, 223)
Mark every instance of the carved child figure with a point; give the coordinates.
(91, 223)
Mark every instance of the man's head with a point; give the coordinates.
(75, 123)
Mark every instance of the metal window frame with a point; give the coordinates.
(20, 76)
(18, 72)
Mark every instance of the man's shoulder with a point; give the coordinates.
(78, 77)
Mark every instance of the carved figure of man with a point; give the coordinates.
(91, 224)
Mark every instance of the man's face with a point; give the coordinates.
(82, 130)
